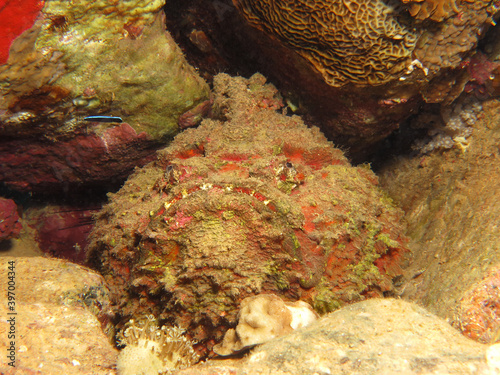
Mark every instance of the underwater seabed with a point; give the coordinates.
(158, 216)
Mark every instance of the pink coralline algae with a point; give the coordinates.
(10, 227)
(479, 312)
(250, 202)
(86, 158)
(16, 16)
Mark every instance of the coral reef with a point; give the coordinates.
(153, 351)
(250, 202)
(82, 58)
(443, 47)
(357, 69)
(262, 318)
(10, 227)
(371, 42)
(436, 10)
(363, 41)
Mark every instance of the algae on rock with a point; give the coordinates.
(123, 53)
(452, 207)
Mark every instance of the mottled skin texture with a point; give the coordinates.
(256, 203)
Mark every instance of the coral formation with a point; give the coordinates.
(457, 123)
(436, 10)
(153, 351)
(442, 47)
(360, 41)
(251, 202)
(262, 318)
(397, 61)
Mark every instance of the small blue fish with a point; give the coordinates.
(103, 119)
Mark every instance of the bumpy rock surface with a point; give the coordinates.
(62, 310)
(262, 318)
(10, 226)
(84, 58)
(452, 207)
(378, 336)
(256, 203)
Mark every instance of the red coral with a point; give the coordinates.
(16, 16)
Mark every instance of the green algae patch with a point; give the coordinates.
(120, 60)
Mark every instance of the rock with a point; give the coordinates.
(377, 336)
(452, 207)
(253, 202)
(61, 312)
(10, 227)
(62, 231)
(478, 314)
(262, 318)
(85, 58)
(48, 167)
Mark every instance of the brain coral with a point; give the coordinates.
(360, 41)
(254, 202)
